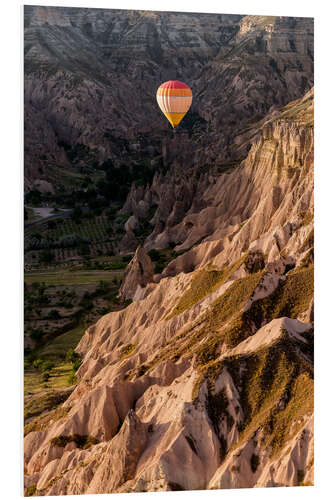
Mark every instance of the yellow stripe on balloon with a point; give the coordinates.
(175, 118)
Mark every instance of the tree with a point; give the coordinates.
(46, 256)
(47, 366)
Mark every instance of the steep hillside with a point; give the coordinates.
(206, 380)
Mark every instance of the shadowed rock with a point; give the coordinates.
(138, 274)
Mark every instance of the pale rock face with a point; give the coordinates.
(138, 274)
(174, 413)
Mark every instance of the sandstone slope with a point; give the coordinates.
(206, 380)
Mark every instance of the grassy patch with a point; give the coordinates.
(300, 404)
(71, 277)
(204, 337)
(222, 310)
(45, 401)
(82, 441)
(254, 261)
(290, 298)
(208, 372)
(34, 383)
(276, 391)
(43, 421)
(203, 283)
(127, 350)
(31, 490)
(231, 301)
(58, 347)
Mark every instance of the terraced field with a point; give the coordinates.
(58, 242)
(59, 305)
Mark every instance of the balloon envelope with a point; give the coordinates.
(174, 98)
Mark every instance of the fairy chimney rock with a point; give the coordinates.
(138, 273)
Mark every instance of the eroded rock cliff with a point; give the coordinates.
(207, 381)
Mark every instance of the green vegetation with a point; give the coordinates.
(308, 259)
(82, 441)
(43, 421)
(59, 305)
(71, 277)
(73, 240)
(222, 310)
(58, 379)
(59, 346)
(266, 378)
(300, 111)
(127, 350)
(254, 261)
(42, 402)
(208, 372)
(291, 297)
(232, 300)
(203, 283)
(31, 490)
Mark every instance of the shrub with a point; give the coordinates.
(31, 490)
(82, 441)
(45, 376)
(254, 261)
(76, 364)
(46, 256)
(103, 287)
(142, 370)
(126, 258)
(71, 379)
(36, 334)
(37, 363)
(159, 266)
(47, 366)
(154, 254)
(127, 349)
(54, 314)
(71, 355)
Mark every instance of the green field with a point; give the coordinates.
(67, 277)
(55, 351)
(58, 347)
(33, 383)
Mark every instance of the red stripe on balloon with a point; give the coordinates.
(174, 84)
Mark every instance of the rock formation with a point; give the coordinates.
(138, 274)
(207, 381)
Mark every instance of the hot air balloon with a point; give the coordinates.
(174, 98)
